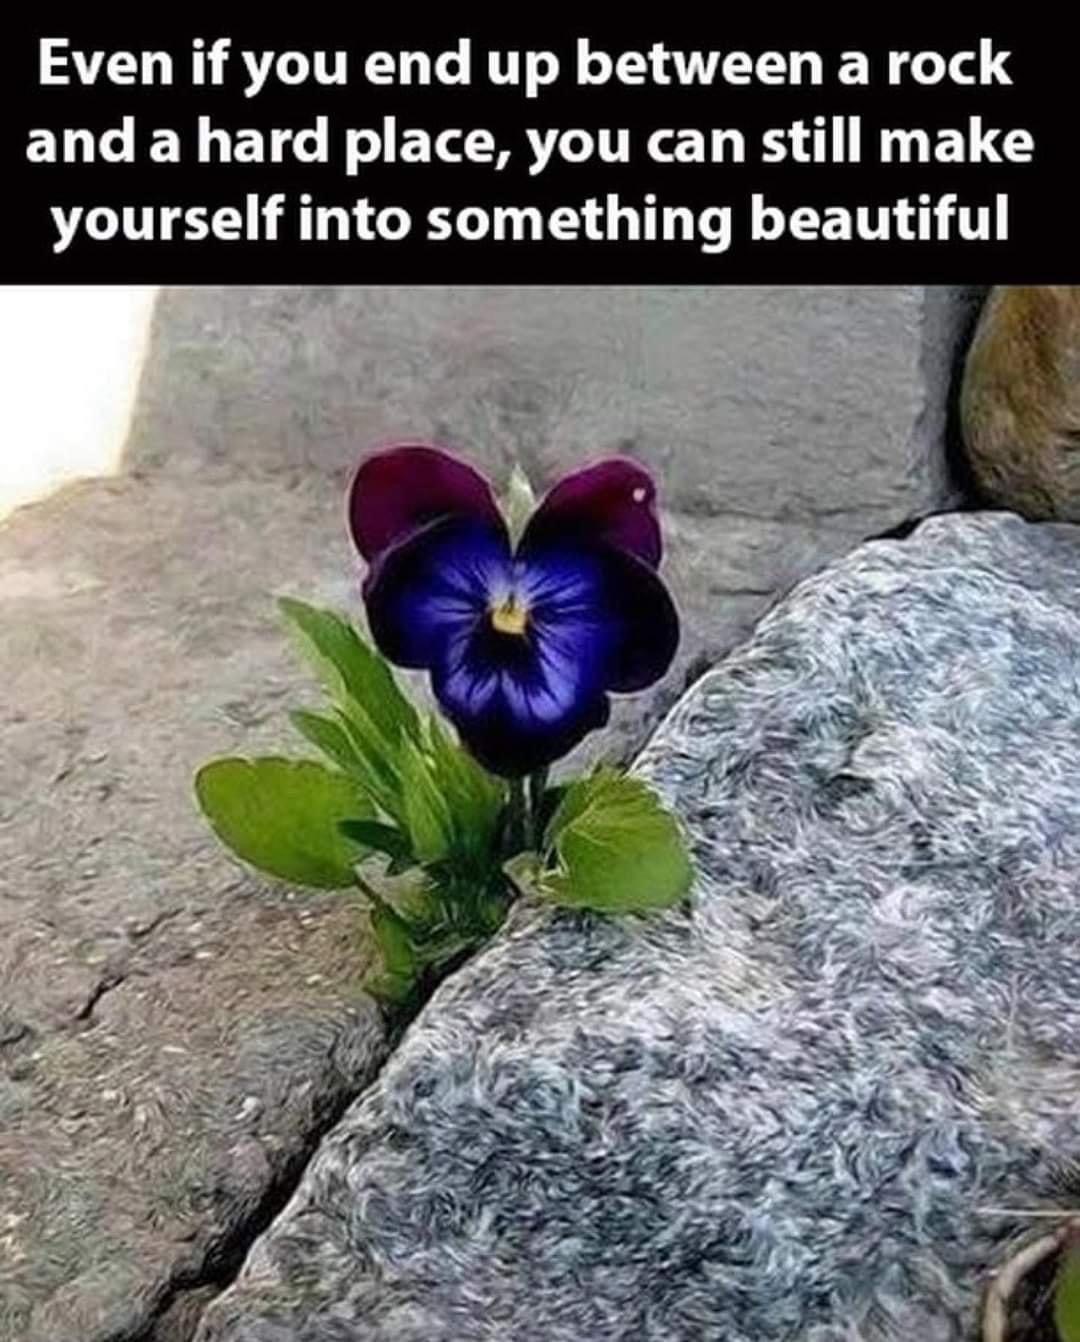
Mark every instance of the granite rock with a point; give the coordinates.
(797, 1108)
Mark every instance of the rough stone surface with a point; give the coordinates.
(792, 1110)
(174, 1034)
(950, 315)
(774, 403)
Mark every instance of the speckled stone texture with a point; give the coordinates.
(787, 1113)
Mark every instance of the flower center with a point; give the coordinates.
(510, 616)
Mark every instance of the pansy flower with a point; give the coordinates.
(523, 643)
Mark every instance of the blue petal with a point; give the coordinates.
(428, 594)
(518, 716)
(608, 607)
(597, 619)
(522, 701)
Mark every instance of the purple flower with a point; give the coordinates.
(523, 645)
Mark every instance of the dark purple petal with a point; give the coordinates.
(611, 503)
(400, 489)
(427, 595)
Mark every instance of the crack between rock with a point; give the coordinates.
(13, 1034)
(222, 1263)
(104, 985)
(805, 516)
(949, 316)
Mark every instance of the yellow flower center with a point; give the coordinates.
(509, 616)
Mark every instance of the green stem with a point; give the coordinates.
(538, 782)
(515, 818)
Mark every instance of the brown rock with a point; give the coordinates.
(1021, 401)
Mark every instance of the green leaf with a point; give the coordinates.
(351, 670)
(283, 816)
(428, 819)
(524, 872)
(614, 848)
(380, 838)
(576, 797)
(328, 736)
(518, 504)
(376, 761)
(370, 708)
(413, 771)
(475, 798)
(1067, 1294)
(394, 978)
(450, 807)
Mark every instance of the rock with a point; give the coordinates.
(175, 1034)
(786, 424)
(1021, 401)
(798, 1109)
(118, 1203)
(806, 405)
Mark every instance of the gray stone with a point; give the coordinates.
(175, 1035)
(807, 405)
(797, 1108)
(787, 424)
(950, 315)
